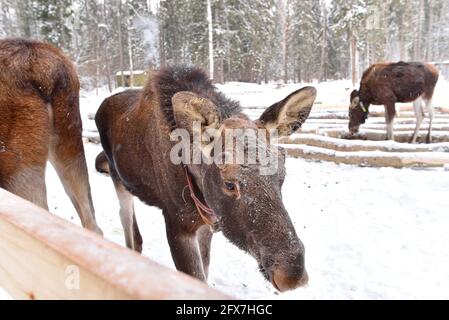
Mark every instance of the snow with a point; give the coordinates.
(369, 233)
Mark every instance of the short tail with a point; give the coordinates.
(102, 164)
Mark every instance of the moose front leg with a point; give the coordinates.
(184, 248)
(390, 113)
(204, 240)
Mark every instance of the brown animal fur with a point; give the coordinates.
(389, 83)
(40, 121)
(135, 128)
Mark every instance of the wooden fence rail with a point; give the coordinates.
(45, 257)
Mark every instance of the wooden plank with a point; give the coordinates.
(370, 158)
(378, 126)
(371, 120)
(45, 257)
(380, 135)
(358, 145)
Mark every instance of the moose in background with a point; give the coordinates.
(389, 83)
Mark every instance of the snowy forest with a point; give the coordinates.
(236, 40)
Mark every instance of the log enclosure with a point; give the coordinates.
(322, 138)
(45, 257)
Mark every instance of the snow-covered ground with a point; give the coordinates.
(369, 233)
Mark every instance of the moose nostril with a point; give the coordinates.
(290, 277)
(283, 281)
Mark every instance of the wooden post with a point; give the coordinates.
(45, 257)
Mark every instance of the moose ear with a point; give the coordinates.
(189, 108)
(289, 115)
(354, 94)
(355, 99)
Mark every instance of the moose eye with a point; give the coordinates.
(230, 186)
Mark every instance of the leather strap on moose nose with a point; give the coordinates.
(207, 214)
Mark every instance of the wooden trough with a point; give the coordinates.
(45, 257)
(323, 138)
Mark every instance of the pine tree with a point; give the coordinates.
(350, 24)
(54, 21)
(294, 40)
(305, 37)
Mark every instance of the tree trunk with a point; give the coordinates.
(323, 43)
(106, 49)
(23, 12)
(402, 49)
(353, 50)
(417, 49)
(229, 75)
(97, 58)
(120, 43)
(441, 20)
(285, 36)
(130, 46)
(220, 77)
(429, 40)
(211, 39)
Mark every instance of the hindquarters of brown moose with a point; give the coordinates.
(39, 104)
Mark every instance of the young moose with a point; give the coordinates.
(389, 83)
(135, 130)
(40, 120)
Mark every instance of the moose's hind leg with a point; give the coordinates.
(431, 111)
(67, 157)
(72, 172)
(133, 237)
(419, 115)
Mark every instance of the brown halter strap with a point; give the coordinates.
(207, 214)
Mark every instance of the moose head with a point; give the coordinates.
(358, 112)
(247, 198)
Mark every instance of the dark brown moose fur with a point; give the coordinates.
(135, 128)
(389, 83)
(40, 120)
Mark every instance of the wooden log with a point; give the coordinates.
(374, 114)
(376, 126)
(358, 145)
(329, 115)
(45, 257)
(380, 135)
(370, 158)
(373, 120)
(408, 127)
